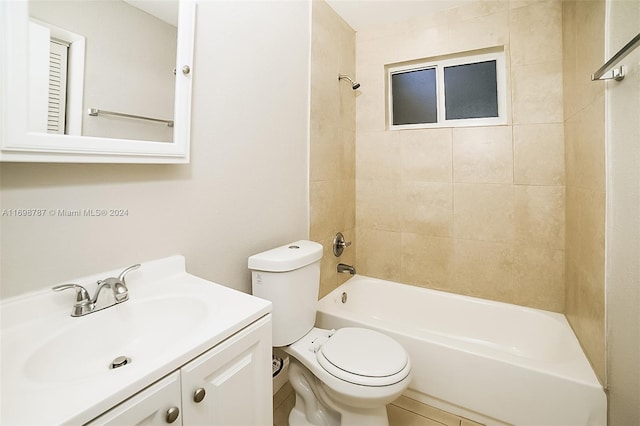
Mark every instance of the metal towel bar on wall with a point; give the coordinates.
(616, 73)
(95, 112)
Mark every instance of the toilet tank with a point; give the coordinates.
(288, 276)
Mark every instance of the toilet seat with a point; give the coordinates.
(364, 357)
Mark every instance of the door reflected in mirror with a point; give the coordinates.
(106, 55)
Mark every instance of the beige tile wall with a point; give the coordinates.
(332, 140)
(583, 37)
(475, 210)
(481, 211)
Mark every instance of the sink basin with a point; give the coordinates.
(86, 347)
(60, 364)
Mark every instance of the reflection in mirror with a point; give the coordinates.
(126, 139)
(107, 55)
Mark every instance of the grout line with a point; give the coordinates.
(420, 415)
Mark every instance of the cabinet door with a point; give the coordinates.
(148, 407)
(234, 379)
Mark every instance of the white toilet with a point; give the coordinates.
(341, 377)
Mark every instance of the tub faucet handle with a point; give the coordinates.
(339, 244)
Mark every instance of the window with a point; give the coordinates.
(414, 93)
(471, 91)
(455, 91)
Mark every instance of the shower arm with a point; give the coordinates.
(354, 84)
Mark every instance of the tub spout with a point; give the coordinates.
(346, 268)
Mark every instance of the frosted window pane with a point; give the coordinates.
(471, 91)
(414, 97)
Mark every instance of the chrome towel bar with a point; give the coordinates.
(94, 112)
(616, 73)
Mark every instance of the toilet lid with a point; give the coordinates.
(365, 353)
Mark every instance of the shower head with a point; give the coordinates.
(354, 84)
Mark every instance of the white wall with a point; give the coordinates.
(623, 221)
(244, 191)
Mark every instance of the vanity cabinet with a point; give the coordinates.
(230, 384)
(234, 381)
(149, 407)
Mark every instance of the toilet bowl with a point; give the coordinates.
(358, 372)
(340, 377)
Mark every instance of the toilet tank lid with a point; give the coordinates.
(287, 257)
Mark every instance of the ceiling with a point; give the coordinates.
(359, 14)
(164, 10)
(365, 14)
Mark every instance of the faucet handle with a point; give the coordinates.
(339, 244)
(126, 271)
(82, 295)
(83, 304)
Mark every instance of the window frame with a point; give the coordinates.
(440, 64)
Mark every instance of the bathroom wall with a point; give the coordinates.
(471, 210)
(246, 189)
(584, 105)
(332, 140)
(623, 220)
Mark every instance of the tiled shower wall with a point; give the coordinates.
(477, 210)
(471, 210)
(332, 140)
(584, 106)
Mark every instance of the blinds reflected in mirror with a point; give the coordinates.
(56, 107)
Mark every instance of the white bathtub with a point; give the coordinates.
(489, 361)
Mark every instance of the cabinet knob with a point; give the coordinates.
(199, 394)
(186, 69)
(172, 414)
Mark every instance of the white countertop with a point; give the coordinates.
(38, 337)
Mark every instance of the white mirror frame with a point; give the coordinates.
(20, 145)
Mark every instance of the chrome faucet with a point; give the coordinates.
(346, 268)
(85, 305)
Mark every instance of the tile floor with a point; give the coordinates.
(403, 411)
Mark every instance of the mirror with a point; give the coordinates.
(103, 81)
(80, 67)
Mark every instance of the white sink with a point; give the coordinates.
(85, 348)
(56, 368)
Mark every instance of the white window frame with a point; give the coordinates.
(440, 65)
